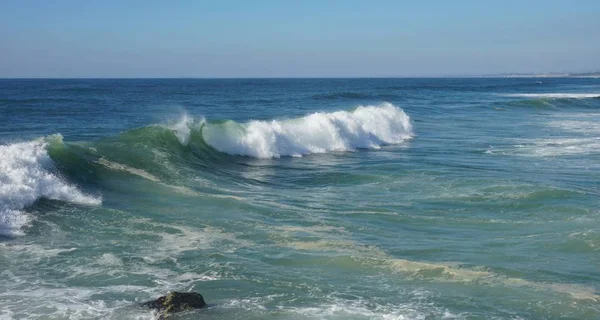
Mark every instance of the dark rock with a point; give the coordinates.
(175, 302)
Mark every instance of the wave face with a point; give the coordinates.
(368, 127)
(26, 175)
(559, 101)
(34, 170)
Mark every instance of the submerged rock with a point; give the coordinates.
(176, 302)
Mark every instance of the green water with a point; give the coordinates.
(453, 199)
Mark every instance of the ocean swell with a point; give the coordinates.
(367, 127)
(554, 95)
(26, 175)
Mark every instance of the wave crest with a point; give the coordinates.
(365, 127)
(554, 95)
(183, 127)
(26, 176)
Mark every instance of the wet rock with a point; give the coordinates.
(176, 302)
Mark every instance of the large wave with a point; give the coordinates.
(45, 168)
(27, 175)
(365, 127)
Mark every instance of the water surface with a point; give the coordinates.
(301, 198)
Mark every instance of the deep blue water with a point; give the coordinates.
(301, 198)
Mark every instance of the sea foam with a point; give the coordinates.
(183, 127)
(368, 127)
(554, 95)
(26, 175)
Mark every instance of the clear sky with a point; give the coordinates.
(253, 38)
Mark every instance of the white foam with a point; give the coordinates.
(181, 239)
(69, 303)
(576, 134)
(109, 259)
(349, 309)
(580, 126)
(31, 250)
(26, 176)
(554, 95)
(416, 306)
(555, 147)
(587, 123)
(183, 127)
(365, 127)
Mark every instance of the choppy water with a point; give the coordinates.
(301, 199)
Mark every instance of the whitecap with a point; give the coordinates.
(553, 95)
(27, 175)
(368, 127)
(182, 128)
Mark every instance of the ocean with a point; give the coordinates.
(467, 198)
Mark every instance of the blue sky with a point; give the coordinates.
(296, 38)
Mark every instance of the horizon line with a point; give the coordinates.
(508, 75)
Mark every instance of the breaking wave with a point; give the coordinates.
(366, 127)
(26, 175)
(46, 168)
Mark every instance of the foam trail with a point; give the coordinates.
(25, 177)
(365, 127)
(554, 95)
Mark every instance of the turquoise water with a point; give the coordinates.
(301, 199)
